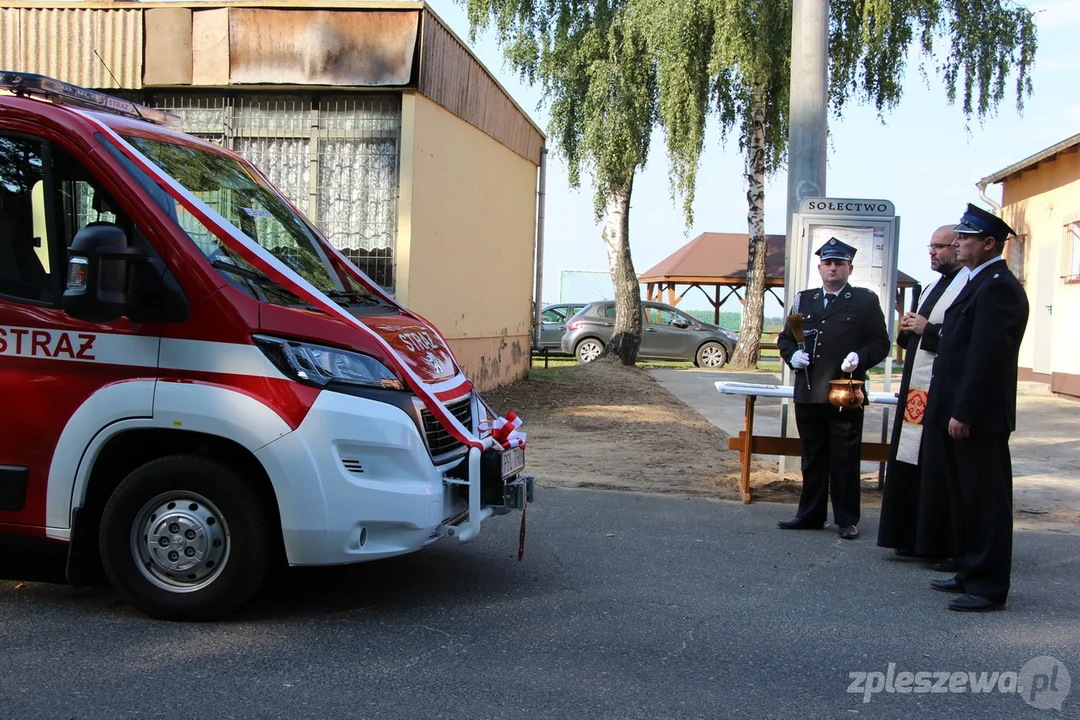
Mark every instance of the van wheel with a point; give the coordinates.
(588, 350)
(711, 355)
(185, 538)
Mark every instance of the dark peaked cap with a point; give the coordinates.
(977, 221)
(834, 249)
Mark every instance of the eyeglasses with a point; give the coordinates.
(938, 246)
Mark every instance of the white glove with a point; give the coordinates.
(850, 362)
(800, 359)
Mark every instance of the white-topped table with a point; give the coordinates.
(747, 443)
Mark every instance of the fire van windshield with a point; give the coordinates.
(254, 208)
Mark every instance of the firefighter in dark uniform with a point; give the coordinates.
(971, 411)
(845, 335)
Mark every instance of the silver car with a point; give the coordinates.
(553, 324)
(666, 334)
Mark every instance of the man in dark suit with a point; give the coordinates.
(915, 516)
(844, 331)
(971, 410)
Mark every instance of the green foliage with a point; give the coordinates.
(975, 46)
(597, 75)
(681, 35)
(740, 50)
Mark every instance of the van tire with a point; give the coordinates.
(711, 355)
(215, 517)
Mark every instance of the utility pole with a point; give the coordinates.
(807, 137)
(809, 98)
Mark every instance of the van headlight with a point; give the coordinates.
(319, 365)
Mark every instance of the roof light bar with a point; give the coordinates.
(66, 93)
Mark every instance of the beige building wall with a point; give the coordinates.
(1038, 204)
(466, 239)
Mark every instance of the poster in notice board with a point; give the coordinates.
(869, 244)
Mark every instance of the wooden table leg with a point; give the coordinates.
(748, 435)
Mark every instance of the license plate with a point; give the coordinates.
(513, 461)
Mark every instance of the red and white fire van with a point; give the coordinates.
(196, 383)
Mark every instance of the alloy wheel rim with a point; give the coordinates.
(589, 352)
(712, 357)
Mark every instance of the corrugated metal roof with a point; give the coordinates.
(68, 43)
(10, 37)
(452, 77)
(450, 74)
(328, 5)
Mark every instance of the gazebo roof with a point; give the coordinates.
(720, 258)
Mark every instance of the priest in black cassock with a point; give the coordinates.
(915, 516)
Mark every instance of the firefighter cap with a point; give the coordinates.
(834, 249)
(977, 221)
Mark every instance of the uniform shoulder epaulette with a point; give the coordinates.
(866, 291)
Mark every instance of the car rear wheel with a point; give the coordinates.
(185, 538)
(588, 350)
(711, 355)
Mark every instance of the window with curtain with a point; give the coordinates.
(335, 156)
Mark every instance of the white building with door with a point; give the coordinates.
(1041, 201)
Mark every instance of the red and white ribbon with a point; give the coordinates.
(271, 266)
(504, 430)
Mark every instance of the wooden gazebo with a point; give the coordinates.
(715, 263)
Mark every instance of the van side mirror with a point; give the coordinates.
(108, 280)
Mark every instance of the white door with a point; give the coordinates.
(1044, 307)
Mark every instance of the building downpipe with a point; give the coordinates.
(987, 199)
(541, 196)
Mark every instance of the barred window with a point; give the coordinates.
(1071, 250)
(1016, 256)
(334, 155)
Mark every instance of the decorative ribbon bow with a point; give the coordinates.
(504, 430)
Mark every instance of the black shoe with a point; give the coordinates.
(798, 524)
(946, 566)
(952, 585)
(975, 603)
(849, 532)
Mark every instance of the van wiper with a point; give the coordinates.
(242, 271)
(265, 283)
(347, 297)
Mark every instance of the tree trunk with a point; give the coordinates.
(626, 337)
(753, 318)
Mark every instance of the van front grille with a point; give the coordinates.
(440, 442)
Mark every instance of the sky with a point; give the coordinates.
(924, 156)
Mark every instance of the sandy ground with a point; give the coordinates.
(605, 426)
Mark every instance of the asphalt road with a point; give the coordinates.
(625, 606)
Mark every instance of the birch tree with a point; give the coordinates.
(592, 63)
(742, 75)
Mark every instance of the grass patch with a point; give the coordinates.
(559, 373)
